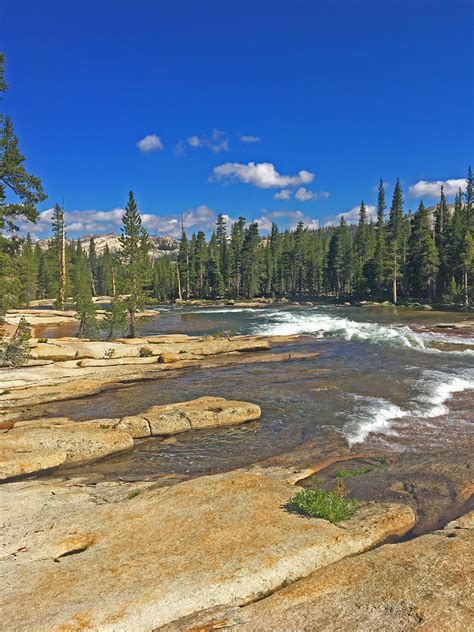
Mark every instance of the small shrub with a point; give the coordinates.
(43, 340)
(224, 334)
(318, 503)
(145, 352)
(14, 351)
(109, 353)
(115, 321)
(4, 392)
(134, 494)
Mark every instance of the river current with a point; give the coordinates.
(385, 379)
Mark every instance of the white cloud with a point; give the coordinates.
(216, 142)
(150, 143)
(202, 217)
(290, 219)
(284, 194)
(432, 189)
(87, 222)
(304, 195)
(250, 139)
(352, 216)
(262, 175)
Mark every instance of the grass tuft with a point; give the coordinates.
(318, 503)
(343, 473)
(134, 494)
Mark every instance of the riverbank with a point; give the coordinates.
(222, 551)
(100, 542)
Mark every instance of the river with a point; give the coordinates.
(385, 380)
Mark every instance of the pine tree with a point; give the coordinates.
(28, 272)
(221, 241)
(361, 250)
(343, 259)
(298, 257)
(467, 266)
(200, 261)
(133, 255)
(59, 239)
(105, 273)
(442, 239)
(115, 322)
(83, 295)
(250, 261)
(235, 257)
(20, 192)
(183, 264)
(380, 255)
(395, 238)
(423, 257)
(214, 276)
(15, 180)
(94, 266)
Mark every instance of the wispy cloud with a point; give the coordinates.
(216, 142)
(250, 139)
(201, 217)
(289, 219)
(425, 188)
(262, 175)
(150, 143)
(303, 195)
(284, 194)
(352, 216)
(87, 222)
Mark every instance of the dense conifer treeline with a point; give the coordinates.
(425, 256)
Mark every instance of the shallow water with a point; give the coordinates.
(382, 380)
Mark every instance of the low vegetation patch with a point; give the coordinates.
(134, 494)
(318, 503)
(43, 340)
(145, 352)
(224, 334)
(14, 351)
(343, 473)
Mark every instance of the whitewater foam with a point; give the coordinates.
(376, 414)
(320, 325)
(437, 387)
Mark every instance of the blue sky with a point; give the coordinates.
(335, 94)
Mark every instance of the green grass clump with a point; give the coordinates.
(318, 503)
(134, 494)
(343, 473)
(145, 352)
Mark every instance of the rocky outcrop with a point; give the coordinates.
(205, 412)
(40, 445)
(88, 367)
(423, 584)
(36, 445)
(135, 558)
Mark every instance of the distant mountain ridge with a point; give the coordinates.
(160, 246)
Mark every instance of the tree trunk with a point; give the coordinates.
(466, 288)
(133, 324)
(394, 288)
(179, 283)
(62, 267)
